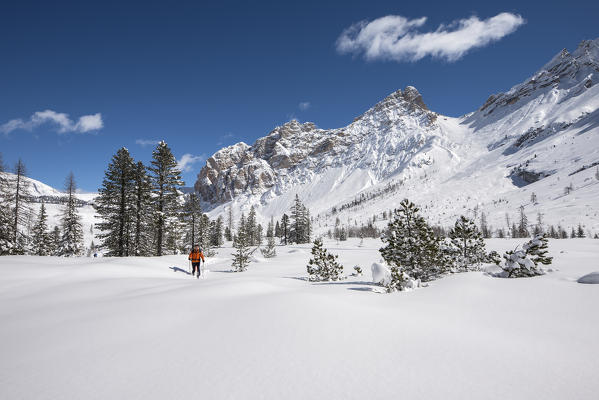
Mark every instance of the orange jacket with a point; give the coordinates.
(195, 256)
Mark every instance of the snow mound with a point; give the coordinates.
(380, 273)
(592, 278)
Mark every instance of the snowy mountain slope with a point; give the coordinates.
(529, 139)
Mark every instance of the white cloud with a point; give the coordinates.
(147, 142)
(396, 38)
(187, 160)
(304, 105)
(62, 121)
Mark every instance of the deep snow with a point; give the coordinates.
(140, 328)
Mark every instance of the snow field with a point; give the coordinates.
(135, 328)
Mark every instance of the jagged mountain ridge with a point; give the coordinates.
(293, 152)
(544, 127)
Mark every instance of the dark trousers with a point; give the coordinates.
(195, 265)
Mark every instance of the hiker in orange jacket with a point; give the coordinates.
(195, 257)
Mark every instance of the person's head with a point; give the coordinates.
(196, 247)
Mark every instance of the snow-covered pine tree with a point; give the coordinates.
(251, 227)
(216, 232)
(241, 257)
(166, 181)
(6, 235)
(468, 240)
(18, 199)
(55, 240)
(115, 206)
(204, 236)
(41, 240)
(484, 227)
(71, 240)
(525, 262)
(277, 230)
(229, 228)
(411, 244)
(580, 231)
(142, 204)
(299, 231)
(190, 214)
(285, 229)
(523, 225)
(270, 250)
(323, 266)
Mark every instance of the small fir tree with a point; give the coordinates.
(241, 257)
(323, 266)
(71, 240)
(270, 250)
(41, 240)
(469, 243)
(525, 262)
(411, 244)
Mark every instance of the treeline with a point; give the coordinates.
(145, 213)
(24, 232)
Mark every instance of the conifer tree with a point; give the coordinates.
(411, 244)
(323, 266)
(251, 227)
(229, 228)
(285, 229)
(142, 204)
(523, 225)
(241, 257)
(525, 262)
(277, 230)
(191, 215)
(55, 240)
(41, 240)
(17, 200)
(580, 232)
(166, 180)
(216, 232)
(469, 242)
(270, 250)
(71, 240)
(6, 236)
(115, 204)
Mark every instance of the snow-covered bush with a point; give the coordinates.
(493, 257)
(525, 262)
(323, 266)
(392, 278)
(357, 271)
(411, 244)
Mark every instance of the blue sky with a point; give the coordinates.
(78, 80)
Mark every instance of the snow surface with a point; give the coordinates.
(141, 328)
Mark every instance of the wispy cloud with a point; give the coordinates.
(396, 38)
(187, 160)
(224, 138)
(146, 142)
(60, 121)
(304, 105)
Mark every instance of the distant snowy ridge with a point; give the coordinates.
(530, 139)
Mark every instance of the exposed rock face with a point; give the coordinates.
(287, 154)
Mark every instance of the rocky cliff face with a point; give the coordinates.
(290, 153)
